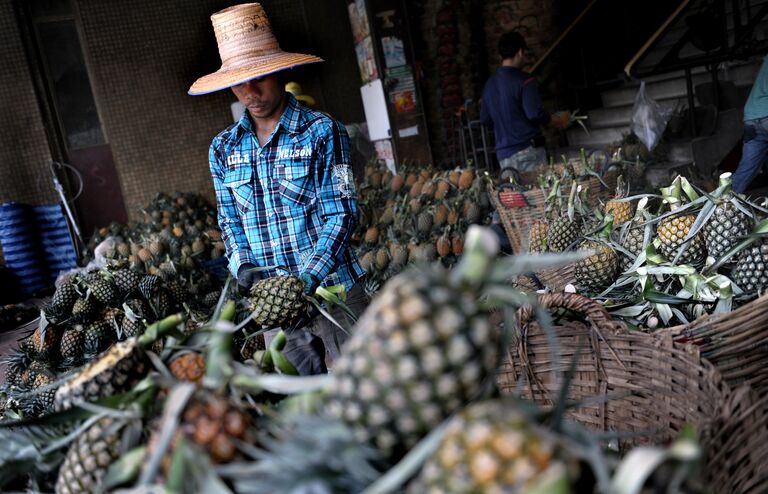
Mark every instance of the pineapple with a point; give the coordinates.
(424, 223)
(117, 370)
(750, 273)
(85, 310)
(537, 236)
(16, 364)
(71, 346)
(621, 210)
(727, 223)
(65, 297)
(492, 447)
(561, 234)
(212, 422)
(149, 285)
(598, 271)
(127, 280)
(381, 259)
(89, 457)
(633, 239)
(45, 345)
(188, 366)
(97, 337)
(421, 350)
(672, 231)
(277, 301)
(104, 292)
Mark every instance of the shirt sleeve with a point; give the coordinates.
(532, 103)
(232, 231)
(336, 202)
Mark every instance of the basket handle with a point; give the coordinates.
(596, 313)
(599, 318)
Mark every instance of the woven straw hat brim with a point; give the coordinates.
(258, 67)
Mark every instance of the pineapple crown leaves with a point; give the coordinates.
(303, 453)
(639, 465)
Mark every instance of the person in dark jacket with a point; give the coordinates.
(512, 104)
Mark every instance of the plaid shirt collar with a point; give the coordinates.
(291, 120)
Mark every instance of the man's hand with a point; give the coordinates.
(246, 277)
(310, 283)
(561, 120)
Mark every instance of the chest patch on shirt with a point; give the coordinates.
(237, 158)
(342, 174)
(295, 152)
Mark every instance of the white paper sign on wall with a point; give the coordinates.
(375, 106)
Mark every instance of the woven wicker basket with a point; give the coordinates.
(736, 343)
(524, 207)
(736, 444)
(651, 387)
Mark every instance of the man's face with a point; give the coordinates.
(262, 96)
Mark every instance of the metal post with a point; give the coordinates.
(691, 102)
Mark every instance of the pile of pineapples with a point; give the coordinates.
(417, 215)
(409, 407)
(178, 227)
(663, 259)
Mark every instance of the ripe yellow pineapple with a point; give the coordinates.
(537, 236)
(492, 447)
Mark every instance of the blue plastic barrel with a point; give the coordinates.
(21, 247)
(55, 242)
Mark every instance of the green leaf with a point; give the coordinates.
(125, 469)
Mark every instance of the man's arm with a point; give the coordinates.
(336, 199)
(532, 103)
(232, 231)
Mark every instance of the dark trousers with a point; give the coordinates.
(313, 349)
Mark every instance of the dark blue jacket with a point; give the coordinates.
(511, 102)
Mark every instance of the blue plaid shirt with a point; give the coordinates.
(291, 202)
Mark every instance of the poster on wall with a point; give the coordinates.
(402, 89)
(359, 20)
(394, 51)
(384, 153)
(366, 60)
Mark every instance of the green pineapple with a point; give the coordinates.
(104, 292)
(85, 310)
(127, 280)
(421, 350)
(751, 272)
(65, 297)
(562, 233)
(727, 223)
(277, 301)
(89, 457)
(149, 285)
(71, 346)
(598, 271)
(98, 336)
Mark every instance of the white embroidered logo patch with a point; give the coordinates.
(236, 158)
(302, 152)
(343, 175)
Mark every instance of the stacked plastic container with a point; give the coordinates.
(35, 243)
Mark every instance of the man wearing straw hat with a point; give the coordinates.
(284, 187)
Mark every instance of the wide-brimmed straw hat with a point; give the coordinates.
(248, 49)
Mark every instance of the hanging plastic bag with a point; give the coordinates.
(648, 119)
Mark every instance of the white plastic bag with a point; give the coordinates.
(648, 119)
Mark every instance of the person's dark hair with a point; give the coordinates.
(510, 43)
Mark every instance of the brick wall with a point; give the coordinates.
(142, 57)
(24, 154)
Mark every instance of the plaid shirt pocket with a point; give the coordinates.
(239, 182)
(295, 185)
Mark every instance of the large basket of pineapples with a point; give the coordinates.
(735, 342)
(634, 383)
